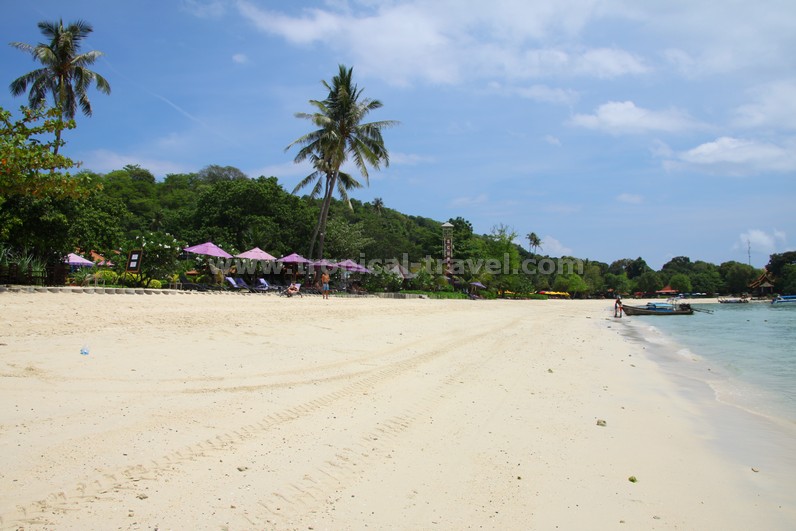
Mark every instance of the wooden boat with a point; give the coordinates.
(653, 308)
(731, 300)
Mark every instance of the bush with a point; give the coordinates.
(155, 284)
(107, 275)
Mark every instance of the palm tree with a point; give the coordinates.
(341, 134)
(322, 176)
(378, 204)
(63, 75)
(533, 241)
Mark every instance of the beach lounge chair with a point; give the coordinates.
(264, 286)
(289, 292)
(242, 283)
(190, 286)
(234, 286)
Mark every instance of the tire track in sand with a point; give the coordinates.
(102, 485)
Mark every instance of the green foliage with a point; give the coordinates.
(30, 167)
(382, 280)
(159, 258)
(787, 279)
(63, 74)
(681, 282)
(649, 282)
(346, 239)
(108, 276)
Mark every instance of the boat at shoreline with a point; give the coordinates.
(733, 300)
(653, 308)
(781, 299)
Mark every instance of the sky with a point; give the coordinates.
(612, 129)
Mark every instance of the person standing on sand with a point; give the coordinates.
(618, 307)
(325, 284)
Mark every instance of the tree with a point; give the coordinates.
(737, 276)
(534, 242)
(341, 134)
(322, 181)
(64, 74)
(649, 282)
(680, 282)
(378, 204)
(27, 165)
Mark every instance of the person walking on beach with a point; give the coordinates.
(325, 284)
(618, 307)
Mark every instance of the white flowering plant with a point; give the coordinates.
(159, 259)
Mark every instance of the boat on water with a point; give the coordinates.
(781, 299)
(653, 308)
(733, 300)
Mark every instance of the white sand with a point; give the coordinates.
(214, 411)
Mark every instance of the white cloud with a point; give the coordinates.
(459, 202)
(205, 8)
(445, 42)
(104, 161)
(631, 199)
(625, 117)
(608, 63)
(545, 94)
(774, 106)
(762, 242)
(408, 159)
(552, 140)
(734, 156)
(553, 247)
(240, 58)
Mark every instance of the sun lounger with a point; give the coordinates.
(234, 286)
(288, 293)
(264, 286)
(190, 286)
(243, 285)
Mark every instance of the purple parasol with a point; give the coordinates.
(209, 249)
(353, 267)
(255, 254)
(78, 261)
(294, 258)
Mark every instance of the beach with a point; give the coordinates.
(231, 411)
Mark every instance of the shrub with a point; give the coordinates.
(107, 275)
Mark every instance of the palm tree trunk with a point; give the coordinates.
(327, 202)
(326, 191)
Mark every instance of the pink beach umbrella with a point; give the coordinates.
(255, 254)
(324, 264)
(293, 258)
(353, 267)
(78, 261)
(209, 249)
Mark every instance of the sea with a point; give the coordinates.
(746, 352)
(736, 366)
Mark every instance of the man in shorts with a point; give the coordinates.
(325, 284)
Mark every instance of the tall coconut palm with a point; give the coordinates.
(378, 204)
(533, 241)
(64, 74)
(341, 135)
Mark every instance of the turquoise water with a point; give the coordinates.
(746, 352)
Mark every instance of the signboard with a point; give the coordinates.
(134, 260)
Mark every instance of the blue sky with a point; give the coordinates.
(612, 129)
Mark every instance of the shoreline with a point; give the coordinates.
(265, 412)
(764, 439)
